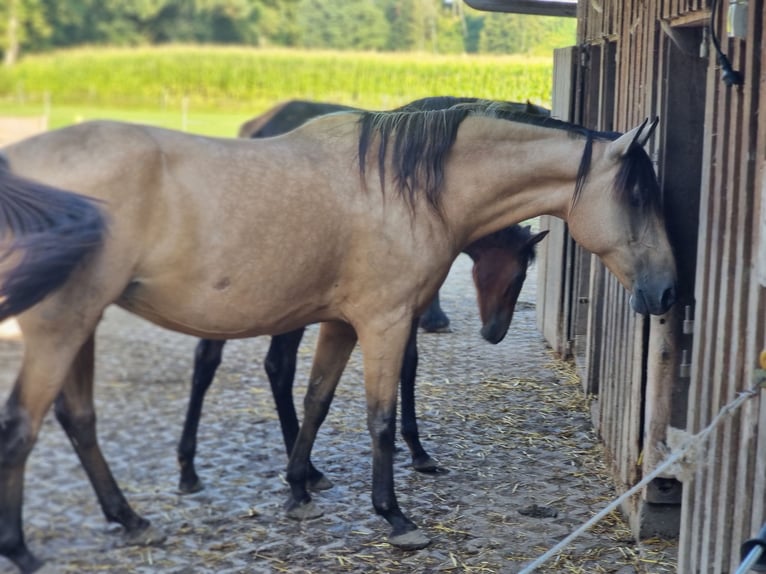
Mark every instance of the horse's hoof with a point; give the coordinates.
(149, 536)
(302, 510)
(318, 483)
(411, 540)
(427, 465)
(435, 323)
(190, 487)
(28, 563)
(47, 568)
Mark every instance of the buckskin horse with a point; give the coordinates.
(290, 114)
(351, 220)
(500, 265)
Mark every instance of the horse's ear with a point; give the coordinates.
(620, 147)
(537, 238)
(647, 133)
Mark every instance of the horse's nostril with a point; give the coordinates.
(668, 297)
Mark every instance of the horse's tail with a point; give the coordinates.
(51, 231)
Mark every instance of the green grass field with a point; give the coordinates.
(212, 90)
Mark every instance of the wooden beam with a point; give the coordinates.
(536, 7)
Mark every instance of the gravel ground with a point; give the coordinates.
(507, 422)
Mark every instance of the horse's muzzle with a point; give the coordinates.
(653, 300)
(494, 331)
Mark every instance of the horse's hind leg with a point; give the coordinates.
(421, 460)
(17, 436)
(48, 355)
(280, 367)
(336, 341)
(76, 414)
(207, 357)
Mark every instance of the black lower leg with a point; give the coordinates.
(299, 466)
(16, 442)
(434, 319)
(81, 430)
(420, 458)
(382, 426)
(207, 358)
(280, 365)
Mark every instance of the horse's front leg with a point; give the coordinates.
(280, 366)
(334, 346)
(383, 350)
(207, 358)
(76, 413)
(421, 460)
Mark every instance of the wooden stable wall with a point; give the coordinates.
(640, 58)
(725, 502)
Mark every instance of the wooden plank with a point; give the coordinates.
(711, 395)
(553, 260)
(594, 347)
(761, 257)
(722, 532)
(746, 56)
(704, 330)
(752, 473)
(682, 113)
(636, 344)
(610, 398)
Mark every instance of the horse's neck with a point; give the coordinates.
(509, 179)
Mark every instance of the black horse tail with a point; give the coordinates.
(50, 230)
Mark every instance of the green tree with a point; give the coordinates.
(355, 24)
(405, 24)
(451, 29)
(22, 22)
(525, 34)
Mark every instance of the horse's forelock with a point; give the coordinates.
(636, 181)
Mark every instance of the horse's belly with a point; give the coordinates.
(224, 315)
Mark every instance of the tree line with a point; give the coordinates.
(439, 26)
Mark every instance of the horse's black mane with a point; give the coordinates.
(420, 141)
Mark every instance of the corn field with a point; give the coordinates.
(216, 78)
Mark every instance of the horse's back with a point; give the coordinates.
(287, 116)
(210, 236)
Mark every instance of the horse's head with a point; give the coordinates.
(617, 215)
(500, 267)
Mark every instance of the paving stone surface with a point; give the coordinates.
(507, 422)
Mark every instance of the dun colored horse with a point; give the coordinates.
(352, 220)
(289, 115)
(500, 264)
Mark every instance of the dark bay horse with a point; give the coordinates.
(500, 263)
(352, 220)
